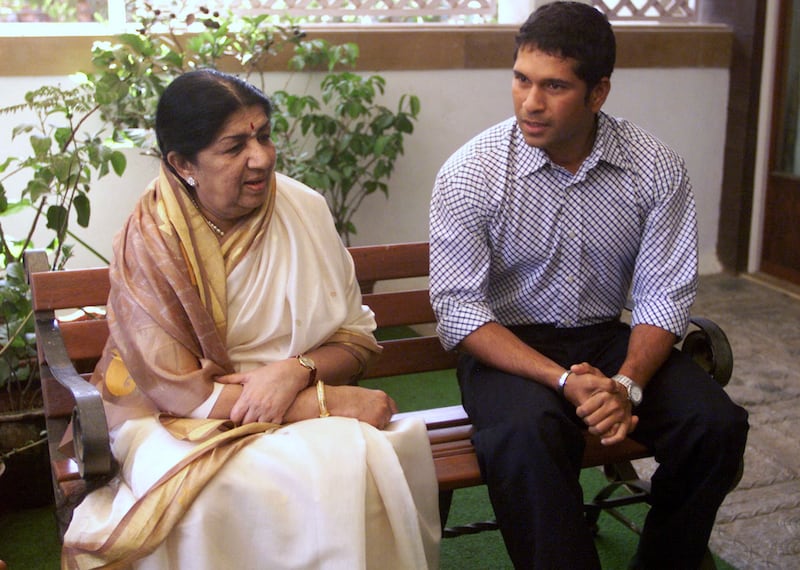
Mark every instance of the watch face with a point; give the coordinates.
(307, 362)
(635, 394)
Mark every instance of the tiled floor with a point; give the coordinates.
(758, 526)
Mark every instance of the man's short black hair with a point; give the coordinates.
(574, 30)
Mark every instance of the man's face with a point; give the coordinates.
(552, 108)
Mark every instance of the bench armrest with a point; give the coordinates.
(710, 348)
(89, 425)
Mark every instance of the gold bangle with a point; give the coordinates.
(323, 407)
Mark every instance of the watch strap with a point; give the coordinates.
(630, 386)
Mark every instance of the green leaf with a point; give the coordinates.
(404, 125)
(14, 208)
(135, 41)
(66, 168)
(62, 135)
(118, 162)
(36, 188)
(415, 105)
(41, 145)
(383, 121)
(82, 209)
(15, 271)
(57, 218)
(324, 157)
(8, 161)
(380, 144)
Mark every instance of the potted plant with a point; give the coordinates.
(51, 187)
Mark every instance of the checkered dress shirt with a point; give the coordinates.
(517, 239)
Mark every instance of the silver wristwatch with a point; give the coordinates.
(634, 390)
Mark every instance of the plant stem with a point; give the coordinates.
(26, 447)
(16, 332)
(77, 127)
(29, 237)
(96, 253)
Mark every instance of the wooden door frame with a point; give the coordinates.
(777, 183)
(747, 20)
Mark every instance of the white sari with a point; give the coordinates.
(327, 493)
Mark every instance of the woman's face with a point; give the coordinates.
(234, 172)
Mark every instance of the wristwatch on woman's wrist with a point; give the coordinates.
(308, 362)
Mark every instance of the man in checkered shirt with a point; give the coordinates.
(540, 228)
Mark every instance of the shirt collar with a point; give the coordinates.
(606, 149)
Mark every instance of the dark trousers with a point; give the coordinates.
(529, 443)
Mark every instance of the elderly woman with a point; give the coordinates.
(236, 325)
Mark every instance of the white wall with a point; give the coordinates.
(686, 108)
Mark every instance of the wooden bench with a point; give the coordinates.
(69, 348)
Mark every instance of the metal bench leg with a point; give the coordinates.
(620, 475)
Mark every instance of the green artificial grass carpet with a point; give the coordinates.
(28, 539)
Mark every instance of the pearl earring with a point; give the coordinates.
(191, 181)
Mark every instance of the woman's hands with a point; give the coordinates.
(267, 391)
(601, 403)
(278, 393)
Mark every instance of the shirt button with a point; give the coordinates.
(570, 279)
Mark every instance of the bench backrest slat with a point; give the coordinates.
(398, 261)
(85, 339)
(427, 354)
(70, 289)
(406, 307)
(396, 308)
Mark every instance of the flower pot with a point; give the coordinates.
(26, 480)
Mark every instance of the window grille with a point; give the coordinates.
(333, 11)
(358, 11)
(649, 10)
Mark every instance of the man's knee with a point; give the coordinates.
(536, 436)
(725, 424)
